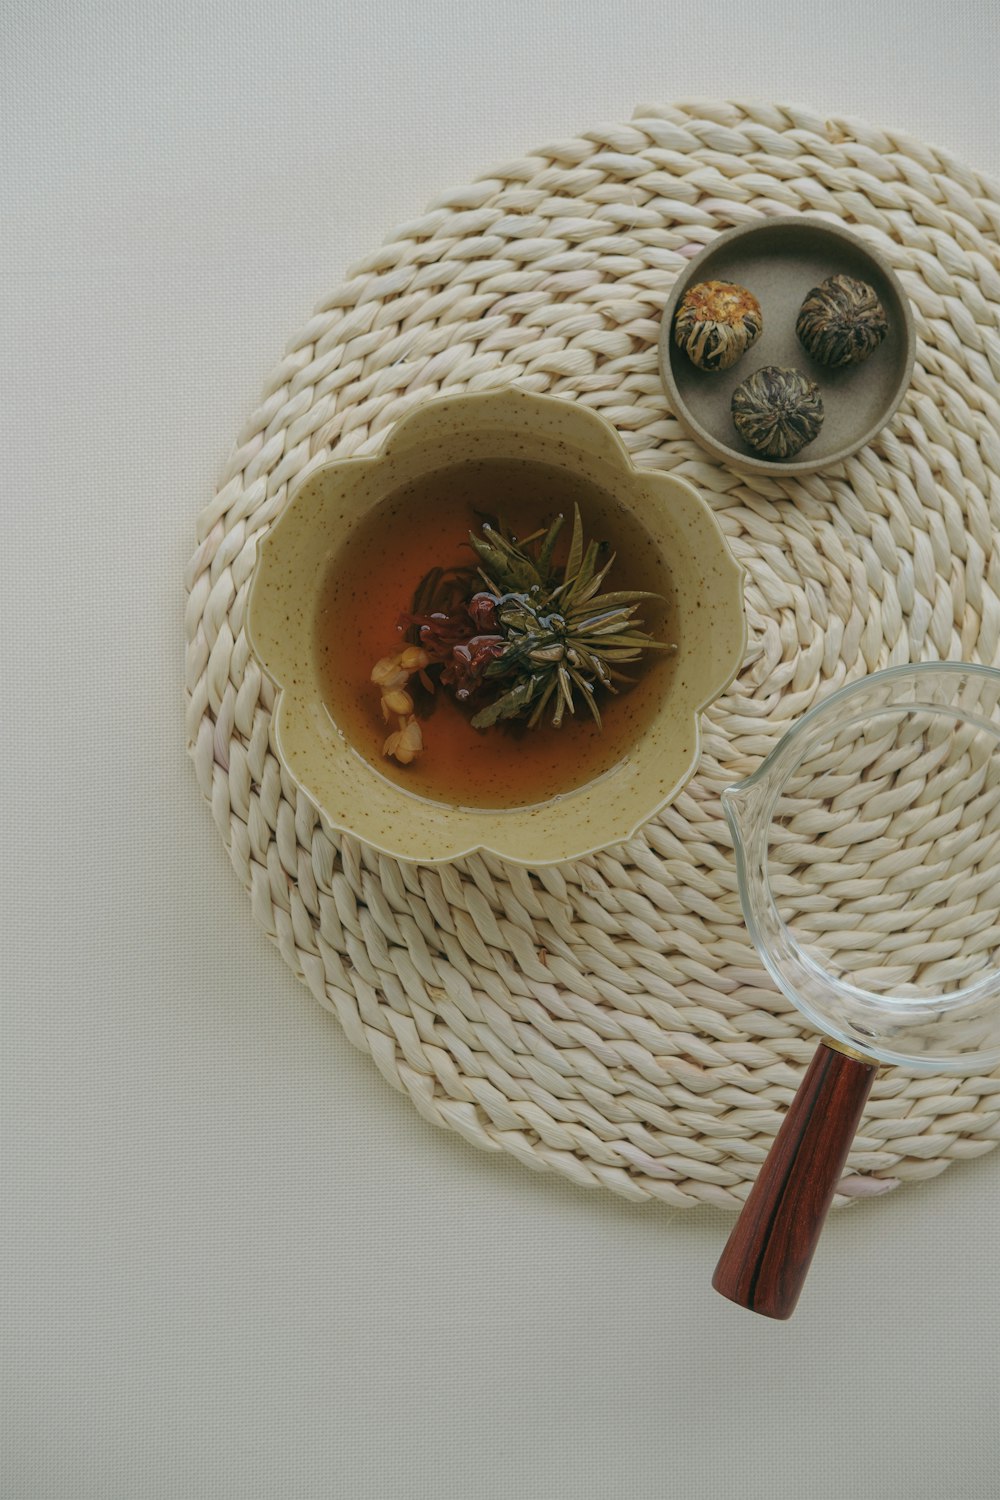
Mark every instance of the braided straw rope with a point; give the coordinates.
(609, 1019)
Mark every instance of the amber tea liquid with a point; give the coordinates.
(371, 582)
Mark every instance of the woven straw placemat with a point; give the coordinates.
(609, 1019)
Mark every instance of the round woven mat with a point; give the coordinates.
(609, 1019)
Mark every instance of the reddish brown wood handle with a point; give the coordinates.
(765, 1262)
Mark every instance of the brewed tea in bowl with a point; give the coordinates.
(543, 620)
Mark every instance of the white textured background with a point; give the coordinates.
(236, 1265)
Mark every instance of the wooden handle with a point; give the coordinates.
(765, 1262)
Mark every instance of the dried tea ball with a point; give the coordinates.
(841, 322)
(716, 323)
(777, 411)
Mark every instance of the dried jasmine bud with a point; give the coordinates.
(841, 322)
(777, 411)
(716, 323)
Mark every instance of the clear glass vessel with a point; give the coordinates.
(868, 852)
(868, 855)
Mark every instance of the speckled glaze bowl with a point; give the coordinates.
(293, 561)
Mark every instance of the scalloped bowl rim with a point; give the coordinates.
(404, 436)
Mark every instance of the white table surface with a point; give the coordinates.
(236, 1264)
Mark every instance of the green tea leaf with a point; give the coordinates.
(510, 705)
(509, 564)
(582, 593)
(565, 699)
(608, 601)
(575, 547)
(586, 691)
(543, 701)
(547, 549)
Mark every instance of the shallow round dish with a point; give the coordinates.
(293, 563)
(780, 261)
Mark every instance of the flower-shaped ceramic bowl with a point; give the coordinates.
(352, 792)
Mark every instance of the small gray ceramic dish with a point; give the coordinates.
(780, 261)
